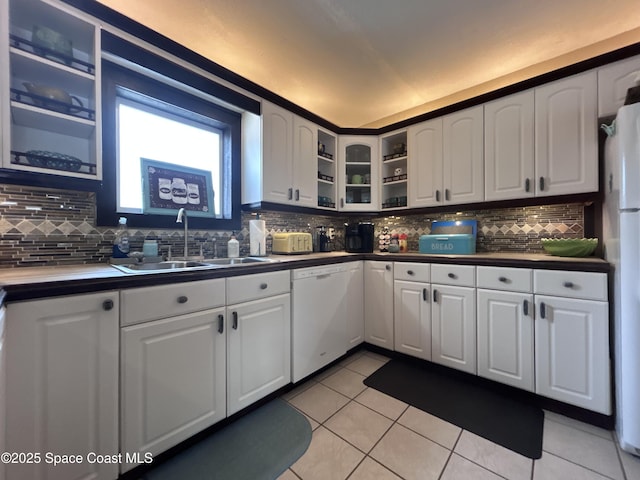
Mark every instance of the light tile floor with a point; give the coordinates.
(362, 434)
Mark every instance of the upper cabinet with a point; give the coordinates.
(358, 173)
(51, 76)
(393, 170)
(566, 136)
(327, 170)
(613, 82)
(508, 147)
(446, 158)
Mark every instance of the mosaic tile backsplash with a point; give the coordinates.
(41, 226)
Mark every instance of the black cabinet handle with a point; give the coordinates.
(424, 295)
(541, 183)
(183, 299)
(297, 194)
(543, 310)
(220, 323)
(527, 185)
(410, 272)
(388, 267)
(503, 279)
(435, 295)
(568, 284)
(234, 325)
(447, 196)
(342, 202)
(525, 307)
(290, 194)
(437, 195)
(452, 275)
(263, 286)
(107, 305)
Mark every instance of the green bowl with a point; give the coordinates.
(570, 247)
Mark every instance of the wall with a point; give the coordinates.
(40, 226)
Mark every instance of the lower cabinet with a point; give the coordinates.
(62, 377)
(378, 306)
(173, 380)
(354, 295)
(258, 349)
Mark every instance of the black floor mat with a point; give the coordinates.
(508, 422)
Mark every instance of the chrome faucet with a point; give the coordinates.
(182, 213)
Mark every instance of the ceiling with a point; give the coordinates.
(370, 63)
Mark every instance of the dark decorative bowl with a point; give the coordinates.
(54, 160)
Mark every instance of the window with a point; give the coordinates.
(145, 118)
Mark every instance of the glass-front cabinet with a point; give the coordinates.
(50, 85)
(327, 171)
(358, 174)
(394, 172)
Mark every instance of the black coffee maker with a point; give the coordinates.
(358, 237)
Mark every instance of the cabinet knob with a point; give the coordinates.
(541, 183)
(297, 194)
(447, 195)
(452, 275)
(425, 296)
(525, 308)
(234, 324)
(435, 295)
(410, 272)
(263, 286)
(543, 310)
(290, 194)
(220, 323)
(387, 267)
(107, 305)
(437, 195)
(527, 185)
(183, 299)
(568, 284)
(503, 279)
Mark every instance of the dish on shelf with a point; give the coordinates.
(51, 44)
(569, 247)
(54, 160)
(52, 98)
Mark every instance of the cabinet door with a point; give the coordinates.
(259, 350)
(62, 383)
(463, 153)
(305, 163)
(453, 327)
(412, 318)
(613, 82)
(355, 304)
(173, 380)
(508, 147)
(566, 131)
(277, 153)
(572, 352)
(505, 337)
(358, 173)
(378, 303)
(424, 144)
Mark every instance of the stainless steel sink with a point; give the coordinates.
(238, 261)
(163, 266)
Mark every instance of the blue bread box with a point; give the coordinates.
(457, 237)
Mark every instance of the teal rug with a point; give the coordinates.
(260, 445)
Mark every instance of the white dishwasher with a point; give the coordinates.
(319, 324)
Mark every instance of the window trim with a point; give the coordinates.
(115, 76)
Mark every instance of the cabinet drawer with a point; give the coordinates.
(251, 287)
(511, 279)
(560, 283)
(151, 303)
(414, 272)
(462, 275)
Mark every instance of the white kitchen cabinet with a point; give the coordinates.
(3, 389)
(424, 143)
(259, 349)
(394, 170)
(613, 82)
(327, 181)
(508, 147)
(566, 136)
(378, 303)
(258, 337)
(62, 377)
(354, 296)
(172, 380)
(572, 361)
(462, 151)
(506, 325)
(453, 316)
(412, 309)
(289, 146)
(358, 157)
(446, 159)
(67, 134)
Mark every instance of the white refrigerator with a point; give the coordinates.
(621, 229)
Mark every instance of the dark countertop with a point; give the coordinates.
(39, 282)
